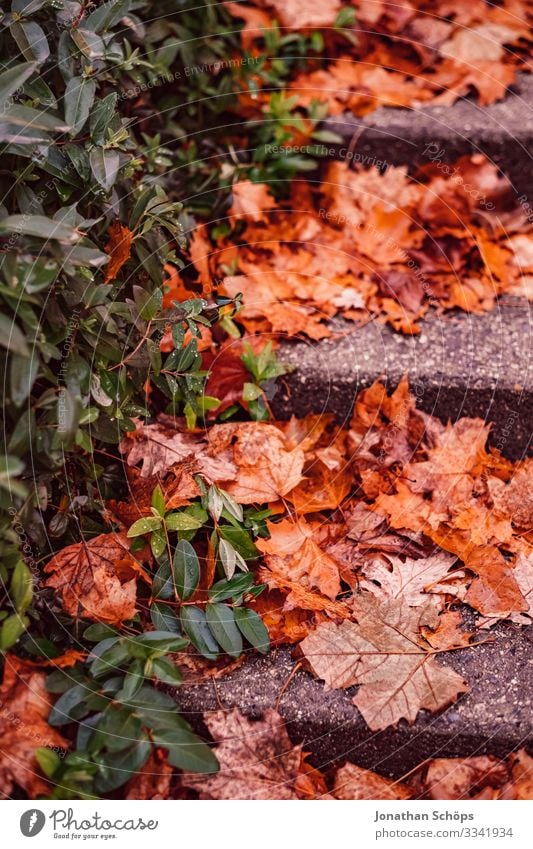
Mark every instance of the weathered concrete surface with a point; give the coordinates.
(460, 365)
(502, 131)
(494, 717)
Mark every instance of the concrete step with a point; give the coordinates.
(494, 717)
(502, 131)
(460, 365)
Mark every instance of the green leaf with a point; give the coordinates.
(48, 761)
(233, 588)
(79, 98)
(185, 570)
(31, 40)
(116, 769)
(35, 119)
(21, 587)
(11, 337)
(252, 628)
(161, 641)
(164, 618)
(13, 79)
(158, 500)
(186, 751)
(22, 372)
(41, 227)
(61, 712)
(194, 623)
(101, 116)
(105, 166)
(12, 628)
(221, 622)
(182, 521)
(166, 671)
(98, 632)
(144, 526)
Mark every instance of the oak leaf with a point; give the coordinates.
(24, 707)
(385, 655)
(97, 579)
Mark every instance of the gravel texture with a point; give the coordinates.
(460, 365)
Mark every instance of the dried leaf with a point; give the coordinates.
(24, 707)
(257, 759)
(97, 579)
(119, 249)
(384, 654)
(354, 782)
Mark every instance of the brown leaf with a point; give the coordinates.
(119, 249)
(354, 782)
(384, 654)
(24, 707)
(161, 446)
(293, 552)
(303, 14)
(267, 470)
(463, 778)
(407, 578)
(152, 781)
(97, 579)
(250, 201)
(257, 759)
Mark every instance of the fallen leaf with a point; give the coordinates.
(24, 707)
(463, 778)
(250, 201)
(354, 782)
(267, 470)
(385, 655)
(257, 759)
(153, 781)
(293, 551)
(404, 577)
(160, 447)
(97, 579)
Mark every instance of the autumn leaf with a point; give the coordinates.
(119, 249)
(257, 759)
(160, 447)
(293, 551)
(385, 655)
(24, 707)
(153, 781)
(463, 778)
(250, 201)
(405, 578)
(97, 579)
(354, 782)
(303, 14)
(267, 469)
(175, 288)
(227, 376)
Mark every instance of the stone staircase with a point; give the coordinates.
(460, 365)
